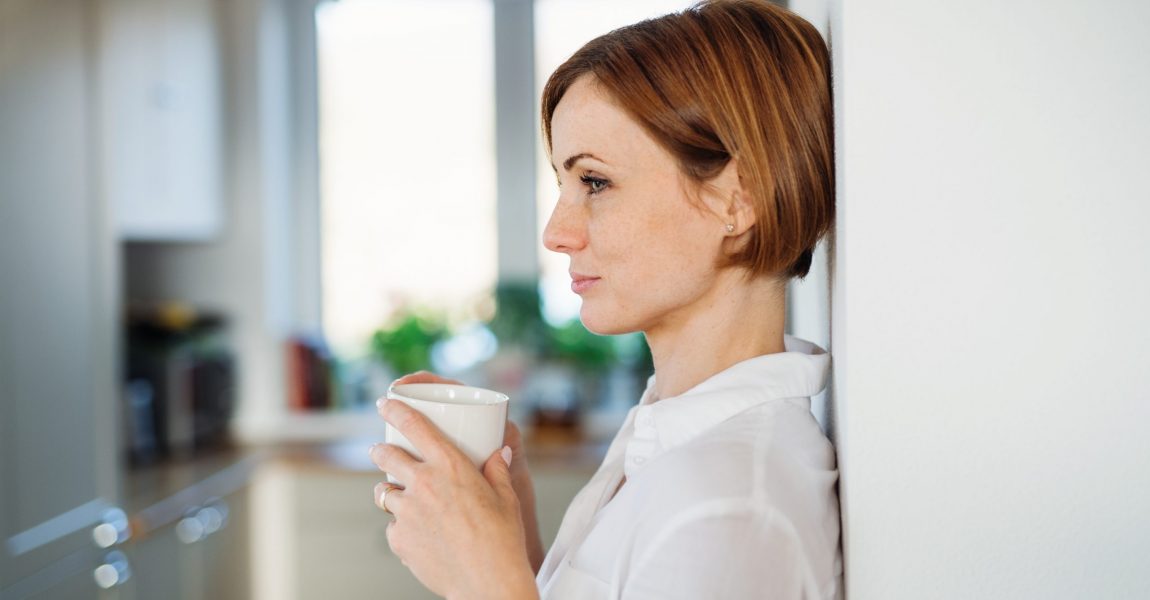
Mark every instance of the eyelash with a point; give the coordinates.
(595, 185)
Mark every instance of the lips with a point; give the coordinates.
(581, 283)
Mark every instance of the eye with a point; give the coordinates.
(594, 184)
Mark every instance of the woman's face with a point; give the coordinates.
(643, 254)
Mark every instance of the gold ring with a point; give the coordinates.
(383, 498)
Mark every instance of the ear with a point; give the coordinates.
(729, 201)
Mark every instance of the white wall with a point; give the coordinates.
(991, 303)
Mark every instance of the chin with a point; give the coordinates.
(601, 324)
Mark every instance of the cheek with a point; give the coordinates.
(658, 251)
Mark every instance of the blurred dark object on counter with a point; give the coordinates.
(180, 380)
(311, 375)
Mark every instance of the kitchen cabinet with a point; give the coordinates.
(160, 103)
(58, 473)
(202, 556)
(337, 547)
(224, 558)
(156, 561)
(73, 582)
(320, 535)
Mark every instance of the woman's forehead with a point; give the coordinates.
(588, 121)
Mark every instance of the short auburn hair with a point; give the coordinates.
(726, 79)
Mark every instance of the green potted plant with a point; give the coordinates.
(405, 346)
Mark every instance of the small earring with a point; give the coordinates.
(730, 227)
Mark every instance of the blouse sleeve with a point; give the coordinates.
(725, 554)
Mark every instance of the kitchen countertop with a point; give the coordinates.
(352, 455)
(163, 493)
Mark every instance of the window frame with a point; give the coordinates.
(515, 146)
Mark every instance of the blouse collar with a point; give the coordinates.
(797, 373)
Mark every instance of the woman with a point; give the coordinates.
(693, 154)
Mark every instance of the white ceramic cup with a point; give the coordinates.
(472, 418)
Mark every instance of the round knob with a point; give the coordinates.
(202, 522)
(115, 571)
(105, 535)
(113, 528)
(212, 518)
(190, 529)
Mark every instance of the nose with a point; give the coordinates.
(566, 230)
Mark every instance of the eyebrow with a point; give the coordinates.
(567, 164)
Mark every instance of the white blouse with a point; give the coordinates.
(730, 493)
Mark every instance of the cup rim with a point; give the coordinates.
(397, 392)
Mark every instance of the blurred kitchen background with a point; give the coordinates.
(225, 225)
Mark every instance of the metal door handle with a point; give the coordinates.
(114, 572)
(113, 529)
(202, 522)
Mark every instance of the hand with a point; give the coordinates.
(448, 509)
(525, 492)
(520, 475)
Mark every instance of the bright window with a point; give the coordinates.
(407, 154)
(406, 93)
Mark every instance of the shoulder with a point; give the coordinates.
(765, 478)
(762, 454)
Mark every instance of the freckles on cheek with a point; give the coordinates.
(603, 242)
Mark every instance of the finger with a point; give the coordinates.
(389, 497)
(393, 538)
(394, 460)
(511, 435)
(497, 472)
(428, 440)
(424, 377)
(513, 439)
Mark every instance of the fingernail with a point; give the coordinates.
(379, 487)
(371, 450)
(506, 454)
(379, 403)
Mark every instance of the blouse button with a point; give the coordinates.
(638, 460)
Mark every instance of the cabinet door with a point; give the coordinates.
(58, 461)
(160, 110)
(342, 550)
(202, 557)
(225, 554)
(158, 571)
(71, 578)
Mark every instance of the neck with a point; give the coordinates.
(738, 320)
